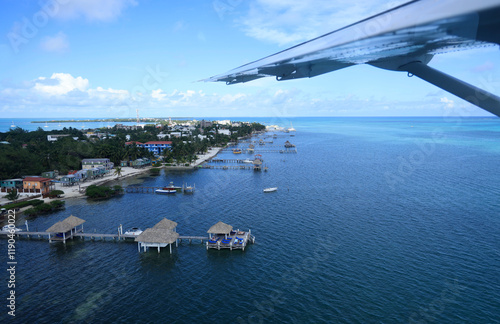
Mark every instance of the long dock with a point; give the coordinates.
(95, 236)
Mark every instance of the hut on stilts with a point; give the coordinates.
(161, 235)
(65, 229)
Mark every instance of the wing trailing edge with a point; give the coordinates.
(401, 39)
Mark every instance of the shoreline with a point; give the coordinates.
(78, 190)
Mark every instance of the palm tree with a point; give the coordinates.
(118, 171)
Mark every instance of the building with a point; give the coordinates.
(225, 132)
(69, 180)
(92, 163)
(53, 138)
(204, 123)
(9, 184)
(157, 147)
(38, 185)
(50, 174)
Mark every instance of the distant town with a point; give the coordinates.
(32, 160)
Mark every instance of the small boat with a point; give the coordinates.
(247, 161)
(133, 231)
(13, 126)
(237, 151)
(273, 189)
(10, 228)
(289, 145)
(170, 189)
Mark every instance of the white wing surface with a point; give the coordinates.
(404, 38)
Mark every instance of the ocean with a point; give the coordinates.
(376, 220)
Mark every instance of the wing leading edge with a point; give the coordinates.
(402, 39)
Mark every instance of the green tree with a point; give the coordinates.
(12, 195)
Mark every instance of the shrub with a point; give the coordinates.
(55, 193)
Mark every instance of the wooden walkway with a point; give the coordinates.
(101, 236)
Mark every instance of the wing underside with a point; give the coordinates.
(402, 39)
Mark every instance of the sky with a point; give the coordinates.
(108, 58)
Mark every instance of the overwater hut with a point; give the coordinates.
(166, 224)
(220, 229)
(156, 237)
(65, 229)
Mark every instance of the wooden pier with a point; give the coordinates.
(96, 236)
(143, 189)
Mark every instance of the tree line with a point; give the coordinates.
(30, 153)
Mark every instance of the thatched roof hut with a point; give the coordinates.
(220, 228)
(60, 227)
(69, 224)
(74, 221)
(156, 237)
(161, 236)
(166, 224)
(66, 225)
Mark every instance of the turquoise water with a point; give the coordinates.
(376, 220)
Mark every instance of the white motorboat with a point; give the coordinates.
(273, 189)
(133, 231)
(247, 161)
(10, 228)
(170, 189)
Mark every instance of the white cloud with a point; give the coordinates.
(57, 43)
(158, 94)
(108, 94)
(292, 21)
(99, 10)
(449, 104)
(60, 83)
(65, 95)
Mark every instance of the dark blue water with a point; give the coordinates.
(376, 220)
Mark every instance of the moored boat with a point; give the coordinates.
(10, 229)
(133, 231)
(170, 189)
(237, 151)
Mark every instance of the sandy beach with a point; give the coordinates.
(78, 191)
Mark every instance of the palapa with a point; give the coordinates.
(65, 225)
(60, 227)
(220, 228)
(165, 224)
(74, 221)
(154, 235)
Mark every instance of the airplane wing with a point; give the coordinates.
(404, 38)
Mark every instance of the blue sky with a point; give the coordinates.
(107, 58)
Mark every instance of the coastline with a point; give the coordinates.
(78, 191)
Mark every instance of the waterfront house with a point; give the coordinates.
(140, 163)
(69, 180)
(92, 163)
(38, 185)
(10, 184)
